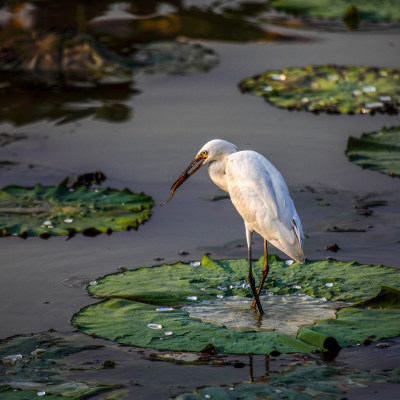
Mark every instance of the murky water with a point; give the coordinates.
(142, 134)
(283, 314)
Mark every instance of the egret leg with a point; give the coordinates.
(252, 281)
(264, 272)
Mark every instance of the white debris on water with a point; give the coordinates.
(164, 309)
(68, 220)
(154, 326)
(332, 78)
(329, 284)
(38, 352)
(168, 333)
(278, 77)
(369, 89)
(10, 360)
(93, 283)
(192, 298)
(195, 263)
(375, 104)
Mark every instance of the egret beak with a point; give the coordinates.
(186, 174)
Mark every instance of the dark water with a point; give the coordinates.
(159, 123)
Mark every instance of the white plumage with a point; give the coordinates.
(258, 192)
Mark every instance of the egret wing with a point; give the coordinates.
(260, 195)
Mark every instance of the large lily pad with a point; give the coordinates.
(144, 307)
(368, 9)
(379, 151)
(329, 88)
(37, 365)
(62, 210)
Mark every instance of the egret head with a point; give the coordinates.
(214, 150)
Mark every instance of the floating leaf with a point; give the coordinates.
(379, 151)
(329, 88)
(45, 371)
(60, 210)
(368, 9)
(301, 382)
(132, 301)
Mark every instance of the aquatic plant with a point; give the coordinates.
(147, 307)
(379, 151)
(37, 365)
(329, 88)
(367, 9)
(64, 210)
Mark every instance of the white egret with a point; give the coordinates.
(260, 195)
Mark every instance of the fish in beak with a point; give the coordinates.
(187, 173)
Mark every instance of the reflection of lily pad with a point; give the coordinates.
(379, 151)
(329, 88)
(301, 382)
(61, 58)
(368, 9)
(22, 105)
(190, 22)
(41, 366)
(144, 307)
(61, 210)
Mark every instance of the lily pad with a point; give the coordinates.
(379, 151)
(177, 58)
(147, 307)
(61, 210)
(42, 368)
(329, 88)
(368, 9)
(301, 382)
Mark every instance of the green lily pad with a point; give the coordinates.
(61, 210)
(146, 307)
(329, 88)
(368, 9)
(31, 364)
(379, 151)
(301, 382)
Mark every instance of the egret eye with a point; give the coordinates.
(204, 153)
